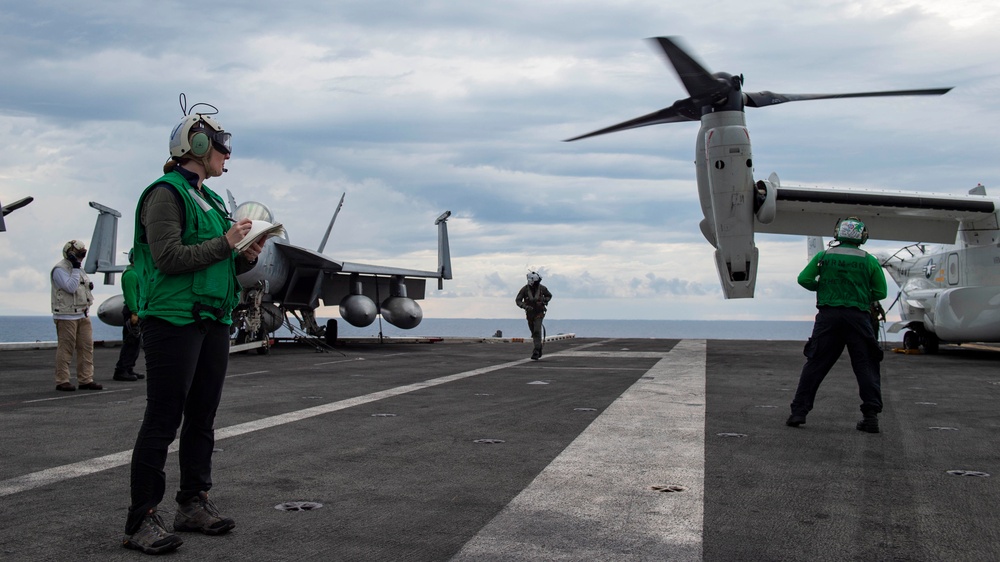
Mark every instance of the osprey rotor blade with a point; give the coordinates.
(766, 98)
(680, 112)
(703, 86)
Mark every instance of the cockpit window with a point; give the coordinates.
(254, 211)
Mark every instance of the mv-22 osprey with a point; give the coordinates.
(290, 279)
(952, 295)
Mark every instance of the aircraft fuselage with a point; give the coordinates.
(950, 293)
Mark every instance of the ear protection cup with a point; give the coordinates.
(200, 144)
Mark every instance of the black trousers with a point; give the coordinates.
(835, 329)
(130, 346)
(185, 370)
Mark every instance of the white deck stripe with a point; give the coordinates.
(595, 502)
(90, 466)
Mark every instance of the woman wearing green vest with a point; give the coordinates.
(185, 258)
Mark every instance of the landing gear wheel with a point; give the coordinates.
(331, 332)
(911, 340)
(930, 342)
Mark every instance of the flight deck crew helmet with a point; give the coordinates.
(534, 278)
(196, 134)
(76, 248)
(851, 230)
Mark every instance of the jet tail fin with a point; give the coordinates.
(4, 211)
(444, 249)
(322, 245)
(232, 201)
(814, 245)
(104, 243)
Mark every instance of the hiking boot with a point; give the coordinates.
(138, 376)
(65, 386)
(536, 354)
(151, 537)
(90, 386)
(795, 421)
(122, 376)
(200, 514)
(868, 424)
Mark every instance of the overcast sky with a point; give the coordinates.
(416, 107)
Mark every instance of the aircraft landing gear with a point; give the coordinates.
(930, 342)
(914, 339)
(248, 317)
(331, 332)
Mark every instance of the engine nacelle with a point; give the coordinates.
(111, 311)
(358, 310)
(732, 192)
(402, 312)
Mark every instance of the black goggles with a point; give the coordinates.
(222, 141)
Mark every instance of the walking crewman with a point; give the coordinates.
(534, 298)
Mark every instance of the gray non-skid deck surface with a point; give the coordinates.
(587, 432)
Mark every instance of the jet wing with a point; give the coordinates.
(302, 257)
(313, 276)
(889, 215)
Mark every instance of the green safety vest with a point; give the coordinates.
(845, 276)
(209, 293)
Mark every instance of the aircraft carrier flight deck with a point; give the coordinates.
(620, 449)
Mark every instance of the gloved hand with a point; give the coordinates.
(134, 320)
(74, 261)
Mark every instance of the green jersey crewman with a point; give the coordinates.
(847, 281)
(125, 368)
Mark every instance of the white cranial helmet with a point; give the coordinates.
(534, 278)
(74, 247)
(196, 134)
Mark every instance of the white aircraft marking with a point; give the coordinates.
(595, 500)
(81, 395)
(247, 374)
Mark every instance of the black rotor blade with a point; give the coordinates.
(765, 98)
(680, 112)
(697, 80)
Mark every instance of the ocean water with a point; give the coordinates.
(41, 328)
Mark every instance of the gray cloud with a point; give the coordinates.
(412, 108)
